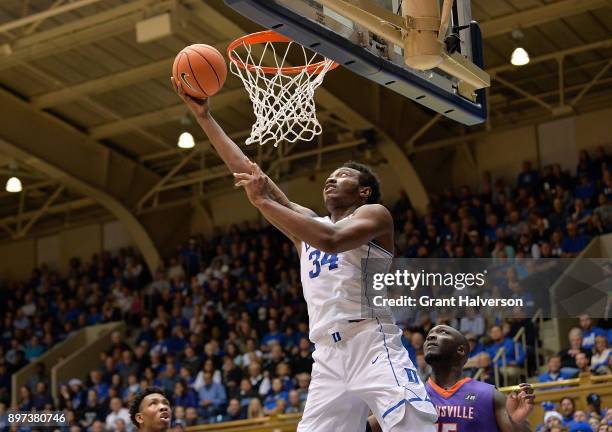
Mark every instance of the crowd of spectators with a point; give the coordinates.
(546, 213)
(222, 325)
(564, 417)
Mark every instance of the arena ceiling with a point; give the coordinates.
(89, 121)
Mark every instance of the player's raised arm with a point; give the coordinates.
(511, 413)
(228, 150)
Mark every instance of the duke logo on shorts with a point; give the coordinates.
(360, 364)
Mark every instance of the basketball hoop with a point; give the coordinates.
(282, 96)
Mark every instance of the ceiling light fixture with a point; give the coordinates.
(13, 185)
(520, 56)
(186, 141)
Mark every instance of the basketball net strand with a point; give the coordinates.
(283, 104)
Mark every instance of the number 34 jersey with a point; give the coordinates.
(332, 285)
(467, 406)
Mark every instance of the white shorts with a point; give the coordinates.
(363, 367)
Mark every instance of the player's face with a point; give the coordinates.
(441, 343)
(155, 413)
(341, 188)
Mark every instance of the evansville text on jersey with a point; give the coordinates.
(459, 301)
(455, 411)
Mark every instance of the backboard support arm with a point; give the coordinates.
(419, 32)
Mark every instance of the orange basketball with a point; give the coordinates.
(201, 70)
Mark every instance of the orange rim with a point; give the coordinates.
(272, 36)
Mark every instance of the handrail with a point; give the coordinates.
(537, 320)
(500, 353)
(287, 422)
(523, 340)
(274, 422)
(561, 383)
(520, 334)
(538, 316)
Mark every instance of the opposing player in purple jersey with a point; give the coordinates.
(463, 404)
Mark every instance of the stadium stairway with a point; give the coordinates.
(71, 358)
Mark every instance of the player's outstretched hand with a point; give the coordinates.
(254, 184)
(520, 403)
(199, 107)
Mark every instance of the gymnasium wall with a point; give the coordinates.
(502, 153)
(18, 258)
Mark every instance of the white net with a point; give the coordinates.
(282, 95)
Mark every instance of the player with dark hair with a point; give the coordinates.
(360, 363)
(464, 404)
(150, 410)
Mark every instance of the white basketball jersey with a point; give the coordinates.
(332, 285)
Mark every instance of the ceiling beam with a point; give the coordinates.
(539, 117)
(45, 14)
(203, 145)
(40, 212)
(53, 209)
(161, 116)
(81, 32)
(568, 90)
(557, 55)
(110, 82)
(52, 147)
(538, 15)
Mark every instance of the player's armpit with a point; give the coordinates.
(374, 425)
(367, 223)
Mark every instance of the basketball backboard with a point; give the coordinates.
(322, 26)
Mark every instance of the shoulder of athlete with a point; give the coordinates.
(499, 399)
(375, 211)
(383, 220)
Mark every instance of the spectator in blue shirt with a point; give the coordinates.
(277, 393)
(212, 397)
(273, 335)
(554, 372)
(169, 378)
(585, 190)
(514, 355)
(573, 243)
(589, 332)
(528, 178)
(33, 349)
(567, 408)
(585, 165)
(97, 385)
(146, 333)
(42, 397)
(184, 396)
(581, 215)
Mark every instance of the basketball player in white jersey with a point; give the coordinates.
(360, 364)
